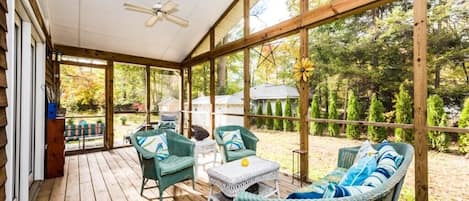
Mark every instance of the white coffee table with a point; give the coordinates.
(231, 178)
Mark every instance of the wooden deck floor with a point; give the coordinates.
(115, 175)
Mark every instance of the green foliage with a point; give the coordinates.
(403, 114)
(333, 114)
(288, 124)
(259, 121)
(353, 113)
(435, 113)
(463, 141)
(123, 120)
(376, 114)
(278, 123)
(70, 121)
(269, 121)
(442, 140)
(316, 128)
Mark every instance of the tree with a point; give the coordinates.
(404, 114)
(376, 114)
(269, 121)
(316, 128)
(442, 140)
(463, 141)
(333, 114)
(353, 114)
(278, 123)
(435, 113)
(259, 120)
(288, 123)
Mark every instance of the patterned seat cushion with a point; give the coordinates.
(321, 185)
(238, 154)
(174, 164)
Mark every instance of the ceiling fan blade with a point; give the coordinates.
(168, 6)
(138, 8)
(177, 20)
(151, 21)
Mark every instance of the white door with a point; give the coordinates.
(32, 122)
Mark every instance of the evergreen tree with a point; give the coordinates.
(463, 141)
(316, 128)
(442, 139)
(333, 114)
(353, 113)
(376, 111)
(278, 123)
(269, 121)
(434, 113)
(259, 121)
(404, 114)
(288, 124)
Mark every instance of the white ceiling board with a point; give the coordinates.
(106, 25)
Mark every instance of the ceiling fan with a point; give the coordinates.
(159, 11)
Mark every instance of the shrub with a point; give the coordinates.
(70, 121)
(288, 124)
(316, 128)
(376, 114)
(269, 122)
(333, 114)
(434, 113)
(403, 114)
(442, 139)
(353, 113)
(463, 141)
(259, 120)
(123, 120)
(278, 123)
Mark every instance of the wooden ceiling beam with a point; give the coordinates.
(104, 55)
(335, 10)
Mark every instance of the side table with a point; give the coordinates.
(296, 166)
(206, 146)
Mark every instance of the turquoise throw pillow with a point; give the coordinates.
(357, 174)
(156, 144)
(388, 163)
(233, 140)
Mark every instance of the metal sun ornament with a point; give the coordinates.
(303, 69)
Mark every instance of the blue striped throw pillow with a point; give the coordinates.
(388, 163)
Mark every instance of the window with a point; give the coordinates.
(265, 13)
(231, 28)
(203, 47)
(201, 95)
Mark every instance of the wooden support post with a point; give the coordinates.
(420, 98)
(148, 92)
(181, 100)
(189, 101)
(304, 100)
(247, 72)
(109, 91)
(212, 96)
(212, 84)
(247, 88)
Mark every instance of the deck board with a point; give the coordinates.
(115, 175)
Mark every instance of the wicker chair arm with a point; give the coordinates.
(347, 156)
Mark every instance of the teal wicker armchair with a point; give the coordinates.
(249, 140)
(390, 190)
(176, 168)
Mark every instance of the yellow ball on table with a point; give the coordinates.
(244, 162)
